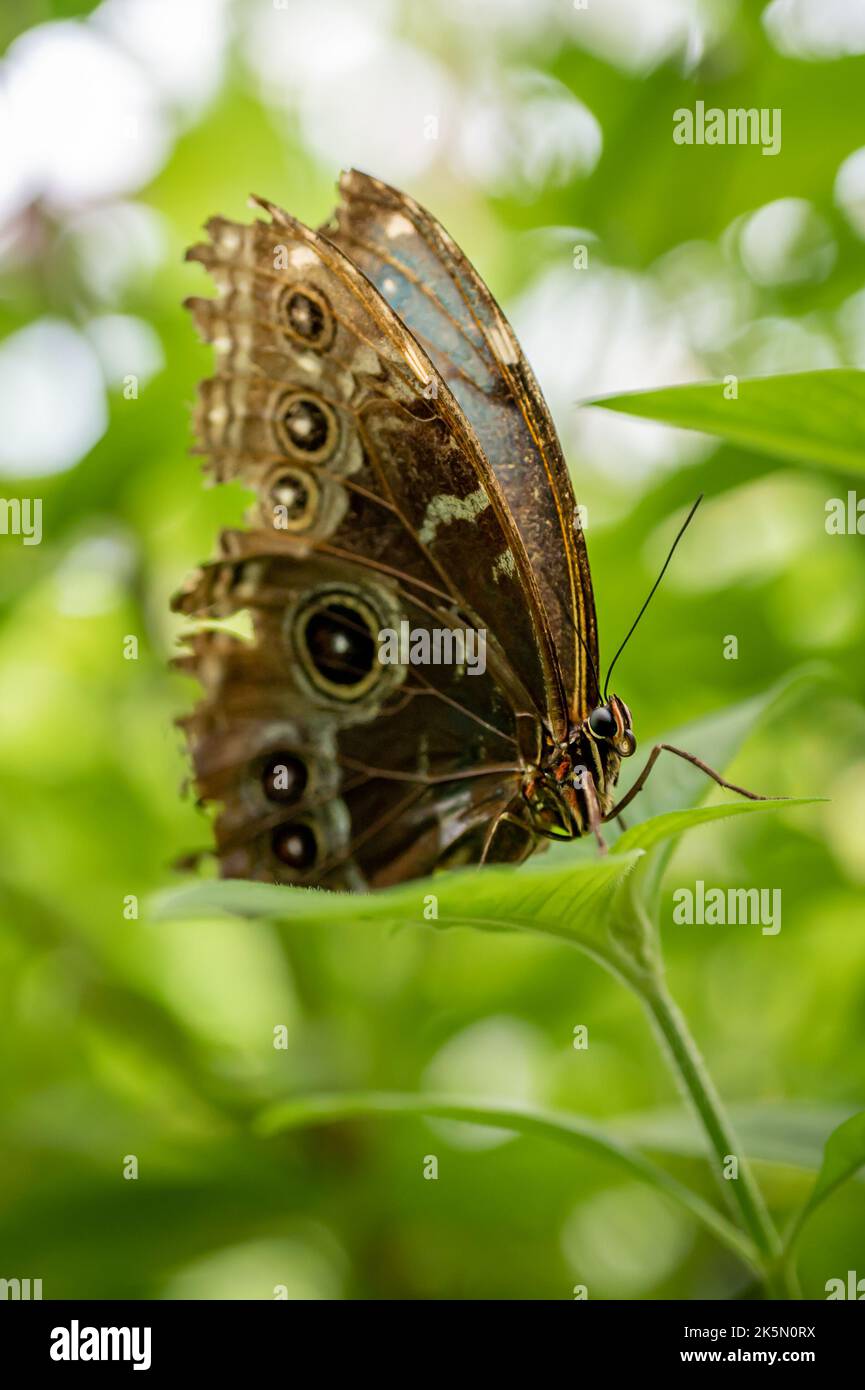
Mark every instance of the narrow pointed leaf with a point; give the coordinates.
(674, 823)
(843, 1156)
(816, 418)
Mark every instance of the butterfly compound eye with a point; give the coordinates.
(602, 723)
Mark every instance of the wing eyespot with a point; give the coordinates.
(294, 499)
(334, 634)
(306, 427)
(284, 778)
(306, 317)
(296, 845)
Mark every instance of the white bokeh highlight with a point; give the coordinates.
(786, 242)
(181, 47)
(52, 399)
(850, 190)
(126, 346)
(93, 576)
(115, 245)
(525, 133)
(816, 29)
(637, 36)
(598, 334)
(84, 121)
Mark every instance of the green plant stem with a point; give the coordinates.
(573, 1130)
(690, 1070)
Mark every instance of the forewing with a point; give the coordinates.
(373, 498)
(439, 295)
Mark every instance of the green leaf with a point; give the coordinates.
(594, 902)
(716, 738)
(676, 784)
(301, 1111)
(571, 902)
(807, 417)
(786, 1133)
(843, 1156)
(629, 924)
(674, 823)
(578, 901)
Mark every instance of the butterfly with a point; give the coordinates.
(408, 481)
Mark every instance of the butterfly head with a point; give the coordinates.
(574, 783)
(610, 724)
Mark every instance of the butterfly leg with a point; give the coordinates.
(656, 752)
(590, 808)
(593, 806)
(510, 840)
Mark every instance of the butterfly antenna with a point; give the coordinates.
(633, 626)
(566, 608)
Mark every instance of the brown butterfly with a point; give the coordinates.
(409, 482)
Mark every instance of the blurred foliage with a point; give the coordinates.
(155, 1039)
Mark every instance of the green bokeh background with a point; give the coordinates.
(126, 1037)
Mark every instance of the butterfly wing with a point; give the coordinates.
(375, 507)
(439, 295)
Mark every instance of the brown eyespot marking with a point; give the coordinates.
(334, 634)
(294, 843)
(294, 499)
(284, 778)
(306, 427)
(307, 317)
